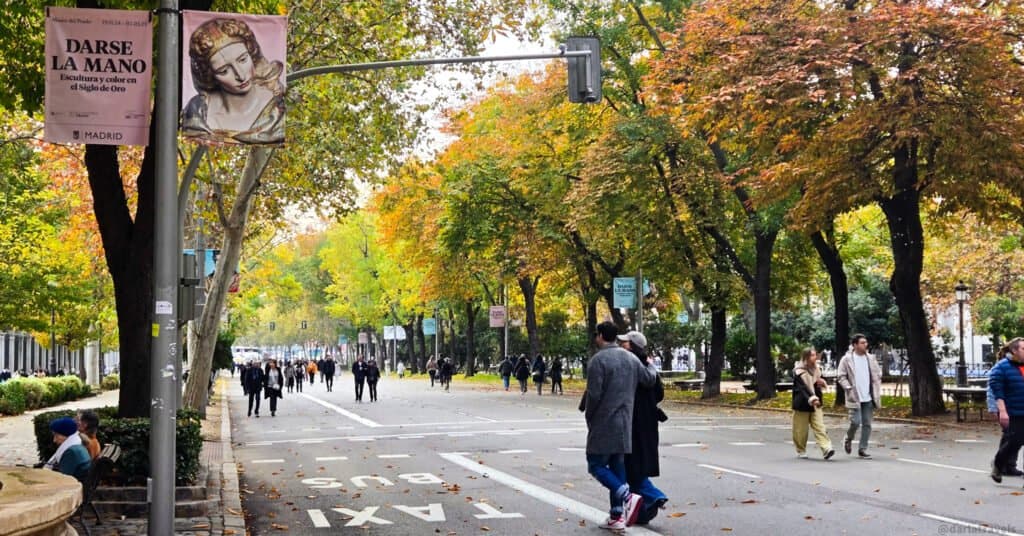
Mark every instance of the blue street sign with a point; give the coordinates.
(429, 326)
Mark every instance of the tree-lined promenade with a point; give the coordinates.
(783, 174)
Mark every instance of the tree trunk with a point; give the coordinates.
(764, 244)
(128, 247)
(529, 288)
(608, 294)
(716, 357)
(470, 337)
(196, 389)
(451, 332)
(903, 216)
(828, 252)
(421, 363)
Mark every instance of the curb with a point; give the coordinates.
(234, 523)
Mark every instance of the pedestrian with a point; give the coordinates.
(401, 370)
(432, 369)
(71, 458)
(88, 426)
(311, 370)
(252, 378)
(273, 381)
(643, 463)
(359, 369)
(289, 376)
(505, 370)
(300, 375)
(1007, 383)
(612, 377)
(522, 373)
(321, 365)
(446, 372)
(556, 375)
(807, 412)
(372, 377)
(1010, 469)
(861, 379)
(539, 370)
(328, 372)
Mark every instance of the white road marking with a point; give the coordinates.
(362, 439)
(747, 444)
(427, 434)
(944, 466)
(571, 449)
(309, 441)
(970, 441)
(544, 495)
(916, 441)
(310, 429)
(508, 433)
(688, 445)
(318, 519)
(974, 528)
(344, 428)
(331, 458)
(275, 460)
(724, 470)
(410, 437)
(260, 444)
(485, 419)
(697, 428)
(358, 418)
(463, 424)
(461, 434)
(515, 451)
(275, 431)
(390, 456)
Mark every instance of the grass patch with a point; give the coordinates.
(892, 406)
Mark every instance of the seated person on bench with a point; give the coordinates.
(71, 457)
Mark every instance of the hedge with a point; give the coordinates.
(23, 394)
(132, 434)
(110, 382)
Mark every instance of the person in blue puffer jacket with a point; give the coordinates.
(1006, 380)
(990, 399)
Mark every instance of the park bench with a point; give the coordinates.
(99, 469)
(970, 397)
(689, 385)
(779, 386)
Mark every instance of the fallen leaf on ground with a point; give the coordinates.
(677, 514)
(276, 526)
(750, 501)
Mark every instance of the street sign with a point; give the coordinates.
(429, 326)
(497, 316)
(394, 333)
(624, 289)
(683, 318)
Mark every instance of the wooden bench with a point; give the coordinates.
(689, 385)
(99, 469)
(971, 397)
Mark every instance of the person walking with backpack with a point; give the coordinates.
(446, 372)
(300, 375)
(505, 370)
(522, 373)
(539, 370)
(807, 412)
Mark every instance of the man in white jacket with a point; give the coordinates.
(861, 378)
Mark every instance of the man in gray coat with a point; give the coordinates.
(612, 378)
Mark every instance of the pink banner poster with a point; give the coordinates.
(497, 316)
(98, 76)
(233, 79)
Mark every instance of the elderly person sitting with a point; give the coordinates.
(71, 457)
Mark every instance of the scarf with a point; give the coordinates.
(72, 440)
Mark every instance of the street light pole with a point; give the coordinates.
(53, 342)
(961, 368)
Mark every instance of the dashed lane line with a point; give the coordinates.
(724, 470)
(331, 458)
(688, 445)
(392, 456)
(275, 460)
(747, 444)
(944, 466)
(358, 418)
(515, 451)
(557, 500)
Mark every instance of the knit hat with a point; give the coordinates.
(64, 426)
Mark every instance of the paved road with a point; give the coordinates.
(422, 461)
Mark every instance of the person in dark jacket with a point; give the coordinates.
(447, 369)
(328, 371)
(300, 376)
(1007, 383)
(556, 375)
(807, 412)
(273, 380)
(540, 370)
(642, 463)
(252, 381)
(372, 377)
(522, 373)
(505, 370)
(359, 375)
(990, 399)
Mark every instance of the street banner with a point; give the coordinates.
(394, 333)
(497, 316)
(429, 326)
(624, 292)
(364, 338)
(98, 76)
(233, 89)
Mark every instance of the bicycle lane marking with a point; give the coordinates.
(542, 494)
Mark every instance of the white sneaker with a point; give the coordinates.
(801, 455)
(633, 504)
(617, 523)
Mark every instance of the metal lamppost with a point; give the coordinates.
(961, 369)
(53, 342)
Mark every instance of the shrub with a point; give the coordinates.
(12, 398)
(132, 435)
(110, 382)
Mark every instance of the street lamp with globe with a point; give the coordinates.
(961, 368)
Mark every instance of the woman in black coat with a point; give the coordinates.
(642, 463)
(273, 381)
(540, 370)
(522, 373)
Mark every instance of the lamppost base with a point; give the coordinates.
(961, 375)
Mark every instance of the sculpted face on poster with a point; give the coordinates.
(98, 76)
(233, 82)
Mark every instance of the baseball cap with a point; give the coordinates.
(634, 338)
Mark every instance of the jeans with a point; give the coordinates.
(861, 418)
(651, 495)
(610, 471)
(505, 380)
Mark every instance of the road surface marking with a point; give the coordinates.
(747, 444)
(331, 458)
(390, 456)
(724, 470)
(508, 433)
(275, 460)
(688, 445)
(697, 428)
(944, 466)
(426, 434)
(557, 500)
(410, 437)
(358, 418)
(344, 428)
(485, 419)
(974, 528)
(970, 441)
(276, 432)
(362, 439)
(309, 441)
(916, 441)
(461, 434)
(310, 429)
(260, 444)
(571, 449)
(318, 518)
(463, 424)
(515, 451)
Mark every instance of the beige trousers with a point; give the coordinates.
(815, 420)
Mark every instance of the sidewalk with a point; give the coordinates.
(218, 472)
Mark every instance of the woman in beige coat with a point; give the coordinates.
(807, 413)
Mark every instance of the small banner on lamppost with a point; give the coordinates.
(497, 316)
(98, 76)
(363, 338)
(233, 89)
(624, 292)
(429, 326)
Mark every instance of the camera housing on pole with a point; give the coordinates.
(584, 71)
